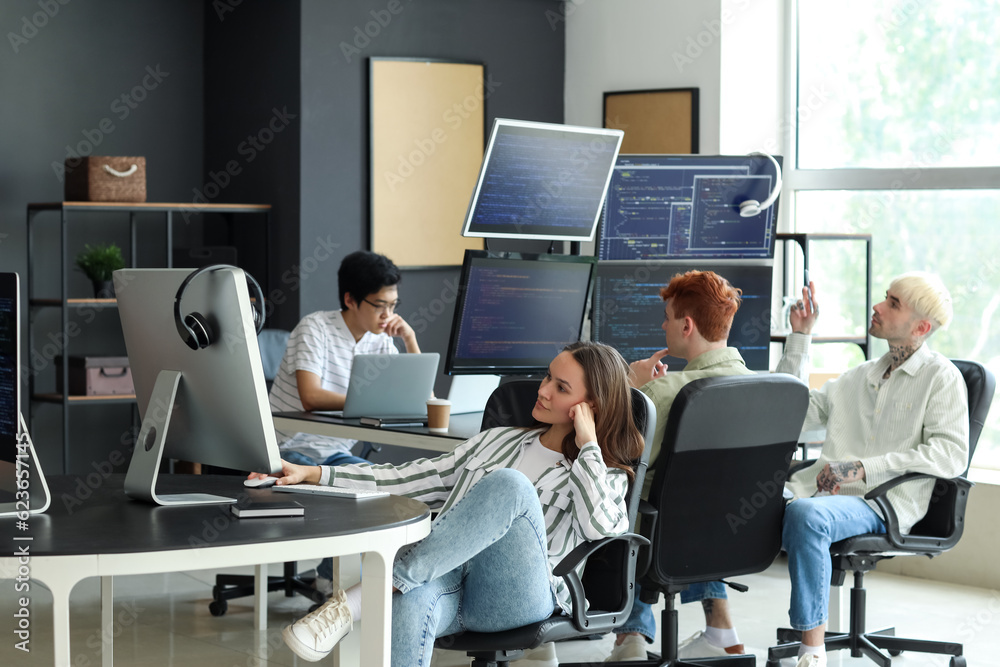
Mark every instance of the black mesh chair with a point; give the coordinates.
(607, 582)
(716, 505)
(937, 532)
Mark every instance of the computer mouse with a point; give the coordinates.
(260, 482)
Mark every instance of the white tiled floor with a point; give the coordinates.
(163, 621)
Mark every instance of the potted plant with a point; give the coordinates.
(98, 262)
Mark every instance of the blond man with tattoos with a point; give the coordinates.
(905, 412)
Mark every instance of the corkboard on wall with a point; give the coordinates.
(654, 121)
(427, 129)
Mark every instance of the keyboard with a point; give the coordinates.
(332, 491)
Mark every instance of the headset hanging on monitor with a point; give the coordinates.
(194, 328)
(752, 207)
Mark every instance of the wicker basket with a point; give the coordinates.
(102, 178)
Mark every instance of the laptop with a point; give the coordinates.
(469, 393)
(390, 386)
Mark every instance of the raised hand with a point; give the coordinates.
(805, 312)
(644, 370)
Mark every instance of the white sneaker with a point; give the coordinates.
(811, 660)
(632, 648)
(698, 646)
(313, 636)
(543, 655)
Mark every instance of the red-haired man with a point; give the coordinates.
(698, 310)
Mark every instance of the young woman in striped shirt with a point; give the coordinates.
(512, 503)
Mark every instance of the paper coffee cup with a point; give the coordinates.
(438, 412)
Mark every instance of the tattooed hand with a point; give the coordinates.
(837, 473)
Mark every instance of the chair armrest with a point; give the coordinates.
(583, 619)
(921, 542)
(647, 527)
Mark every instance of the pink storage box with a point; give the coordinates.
(96, 376)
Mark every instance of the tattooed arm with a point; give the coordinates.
(839, 472)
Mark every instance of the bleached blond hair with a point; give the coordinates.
(926, 294)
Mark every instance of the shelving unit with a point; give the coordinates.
(68, 212)
(804, 240)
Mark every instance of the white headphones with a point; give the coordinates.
(752, 207)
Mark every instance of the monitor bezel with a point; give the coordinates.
(510, 369)
(624, 159)
(498, 125)
(669, 268)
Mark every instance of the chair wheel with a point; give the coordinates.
(894, 652)
(957, 661)
(218, 607)
(773, 663)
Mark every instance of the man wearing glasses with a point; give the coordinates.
(317, 362)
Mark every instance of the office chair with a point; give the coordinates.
(607, 582)
(227, 587)
(716, 506)
(937, 532)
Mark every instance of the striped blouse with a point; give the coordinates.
(583, 500)
(915, 421)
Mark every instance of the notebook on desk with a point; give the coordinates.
(389, 385)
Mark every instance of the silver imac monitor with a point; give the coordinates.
(22, 484)
(206, 405)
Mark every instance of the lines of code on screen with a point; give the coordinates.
(673, 209)
(628, 310)
(8, 379)
(543, 183)
(520, 312)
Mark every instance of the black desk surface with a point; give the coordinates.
(92, 515)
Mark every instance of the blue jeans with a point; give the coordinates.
(325, 567)
(811, 525)
(484, 567)
(643, 620)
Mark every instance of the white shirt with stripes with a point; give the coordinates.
(321, 344)
(583, 500)
(917, 420)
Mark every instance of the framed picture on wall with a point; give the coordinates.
(654, 121)
(427, 123)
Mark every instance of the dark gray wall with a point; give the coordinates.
(229, 66)
(63, 75)
(524, 58)
(253, 121)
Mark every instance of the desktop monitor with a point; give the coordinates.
(686, 207)
(542, 181)
(516, 311)
(204, 405)
(627, 311)
(23, 489)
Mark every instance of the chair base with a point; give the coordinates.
(231, 586)
(669, 641)
(655, 660)
(863, 644)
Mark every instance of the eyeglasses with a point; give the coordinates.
(382, 308)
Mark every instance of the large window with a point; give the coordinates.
(898, 116)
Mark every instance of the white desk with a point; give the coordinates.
(460, 428)
(110, 535)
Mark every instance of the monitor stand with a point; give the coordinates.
(140, 481)
(34, 497)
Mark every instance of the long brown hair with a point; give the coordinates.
(606, 375)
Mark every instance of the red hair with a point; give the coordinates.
(707, 298)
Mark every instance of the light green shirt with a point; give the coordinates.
(662, 391)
